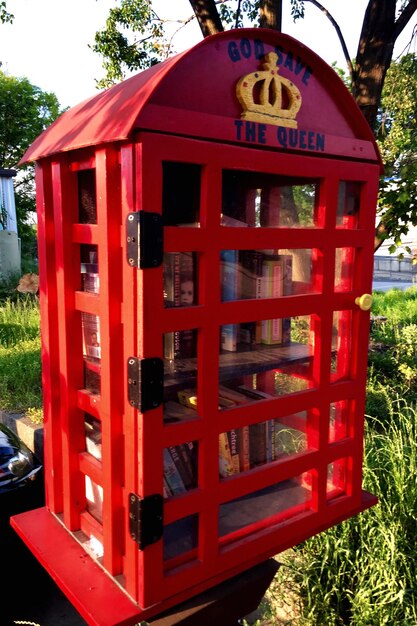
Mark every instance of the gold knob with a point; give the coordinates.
(364, 301)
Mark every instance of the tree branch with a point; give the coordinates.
(207, 16)
(271, 14)
(405, 17)
(339, 34)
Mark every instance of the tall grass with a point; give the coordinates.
(364, 571)
(20, 365)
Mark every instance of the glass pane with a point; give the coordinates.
(245, 448)
(348, 204)
(92, 429)
(91, 335)
(180, 376)
(339, 420)
(89, 268)
(92, 375)
(343, 280)
(87, 207)
(180, 537)
(94, 498)
(91, 351)
(181, 184)
(282, 501)
(248, 274)
(180, 279)
(341, 344)
(337, 478)
(256, 199)
(271, 358)
(180, 468)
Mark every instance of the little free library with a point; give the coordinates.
(205, 257)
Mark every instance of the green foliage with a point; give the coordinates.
(5, 16)
(146, 46)
(397, 139)
(25, 111)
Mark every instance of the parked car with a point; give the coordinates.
(21, 477)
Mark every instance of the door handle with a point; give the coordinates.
(364, 301)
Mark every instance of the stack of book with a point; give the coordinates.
(248, 274)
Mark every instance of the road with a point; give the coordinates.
(386, 285)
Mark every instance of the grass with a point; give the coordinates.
(20, 364)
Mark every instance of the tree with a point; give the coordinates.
(396, 133)
(383, 22)
(25, 111)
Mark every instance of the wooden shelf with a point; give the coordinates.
(241, 363)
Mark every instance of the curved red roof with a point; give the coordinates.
(194, 94)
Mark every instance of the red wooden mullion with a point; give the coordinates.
(69, 330)
(129, 320)
(111, 405)
(49, 338)
(149, 299)
(208, 362)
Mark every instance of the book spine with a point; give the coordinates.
(270, 438)
(172, 474)
(234, 450)
(273, 288)
(229, 263)
(244, 451)
(186, 452)
(287, 291)
(257, 443)
(91, 335)
(166, 489)
(179, 290)
(225, 457)
(183, 471)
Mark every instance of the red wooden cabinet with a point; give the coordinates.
(205, 251)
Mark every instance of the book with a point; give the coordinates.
(94, 499)
(189, 453)
(172, 475)
(238, 439)
(271, 329)
(286, 260)
(178, 456)
(234, 450)
(175, 412)
(229, 281)
(92, 430)
(258, 444)
(179, 290)
(188, 398)
(244, 448)
(226, 467)
(91, 335)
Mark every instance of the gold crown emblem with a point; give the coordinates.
(267, 97)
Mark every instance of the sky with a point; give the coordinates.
(49, 40)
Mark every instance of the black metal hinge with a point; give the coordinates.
(145, 382)
(144, 235)
(146, 521)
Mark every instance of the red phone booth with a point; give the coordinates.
(206, 239)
